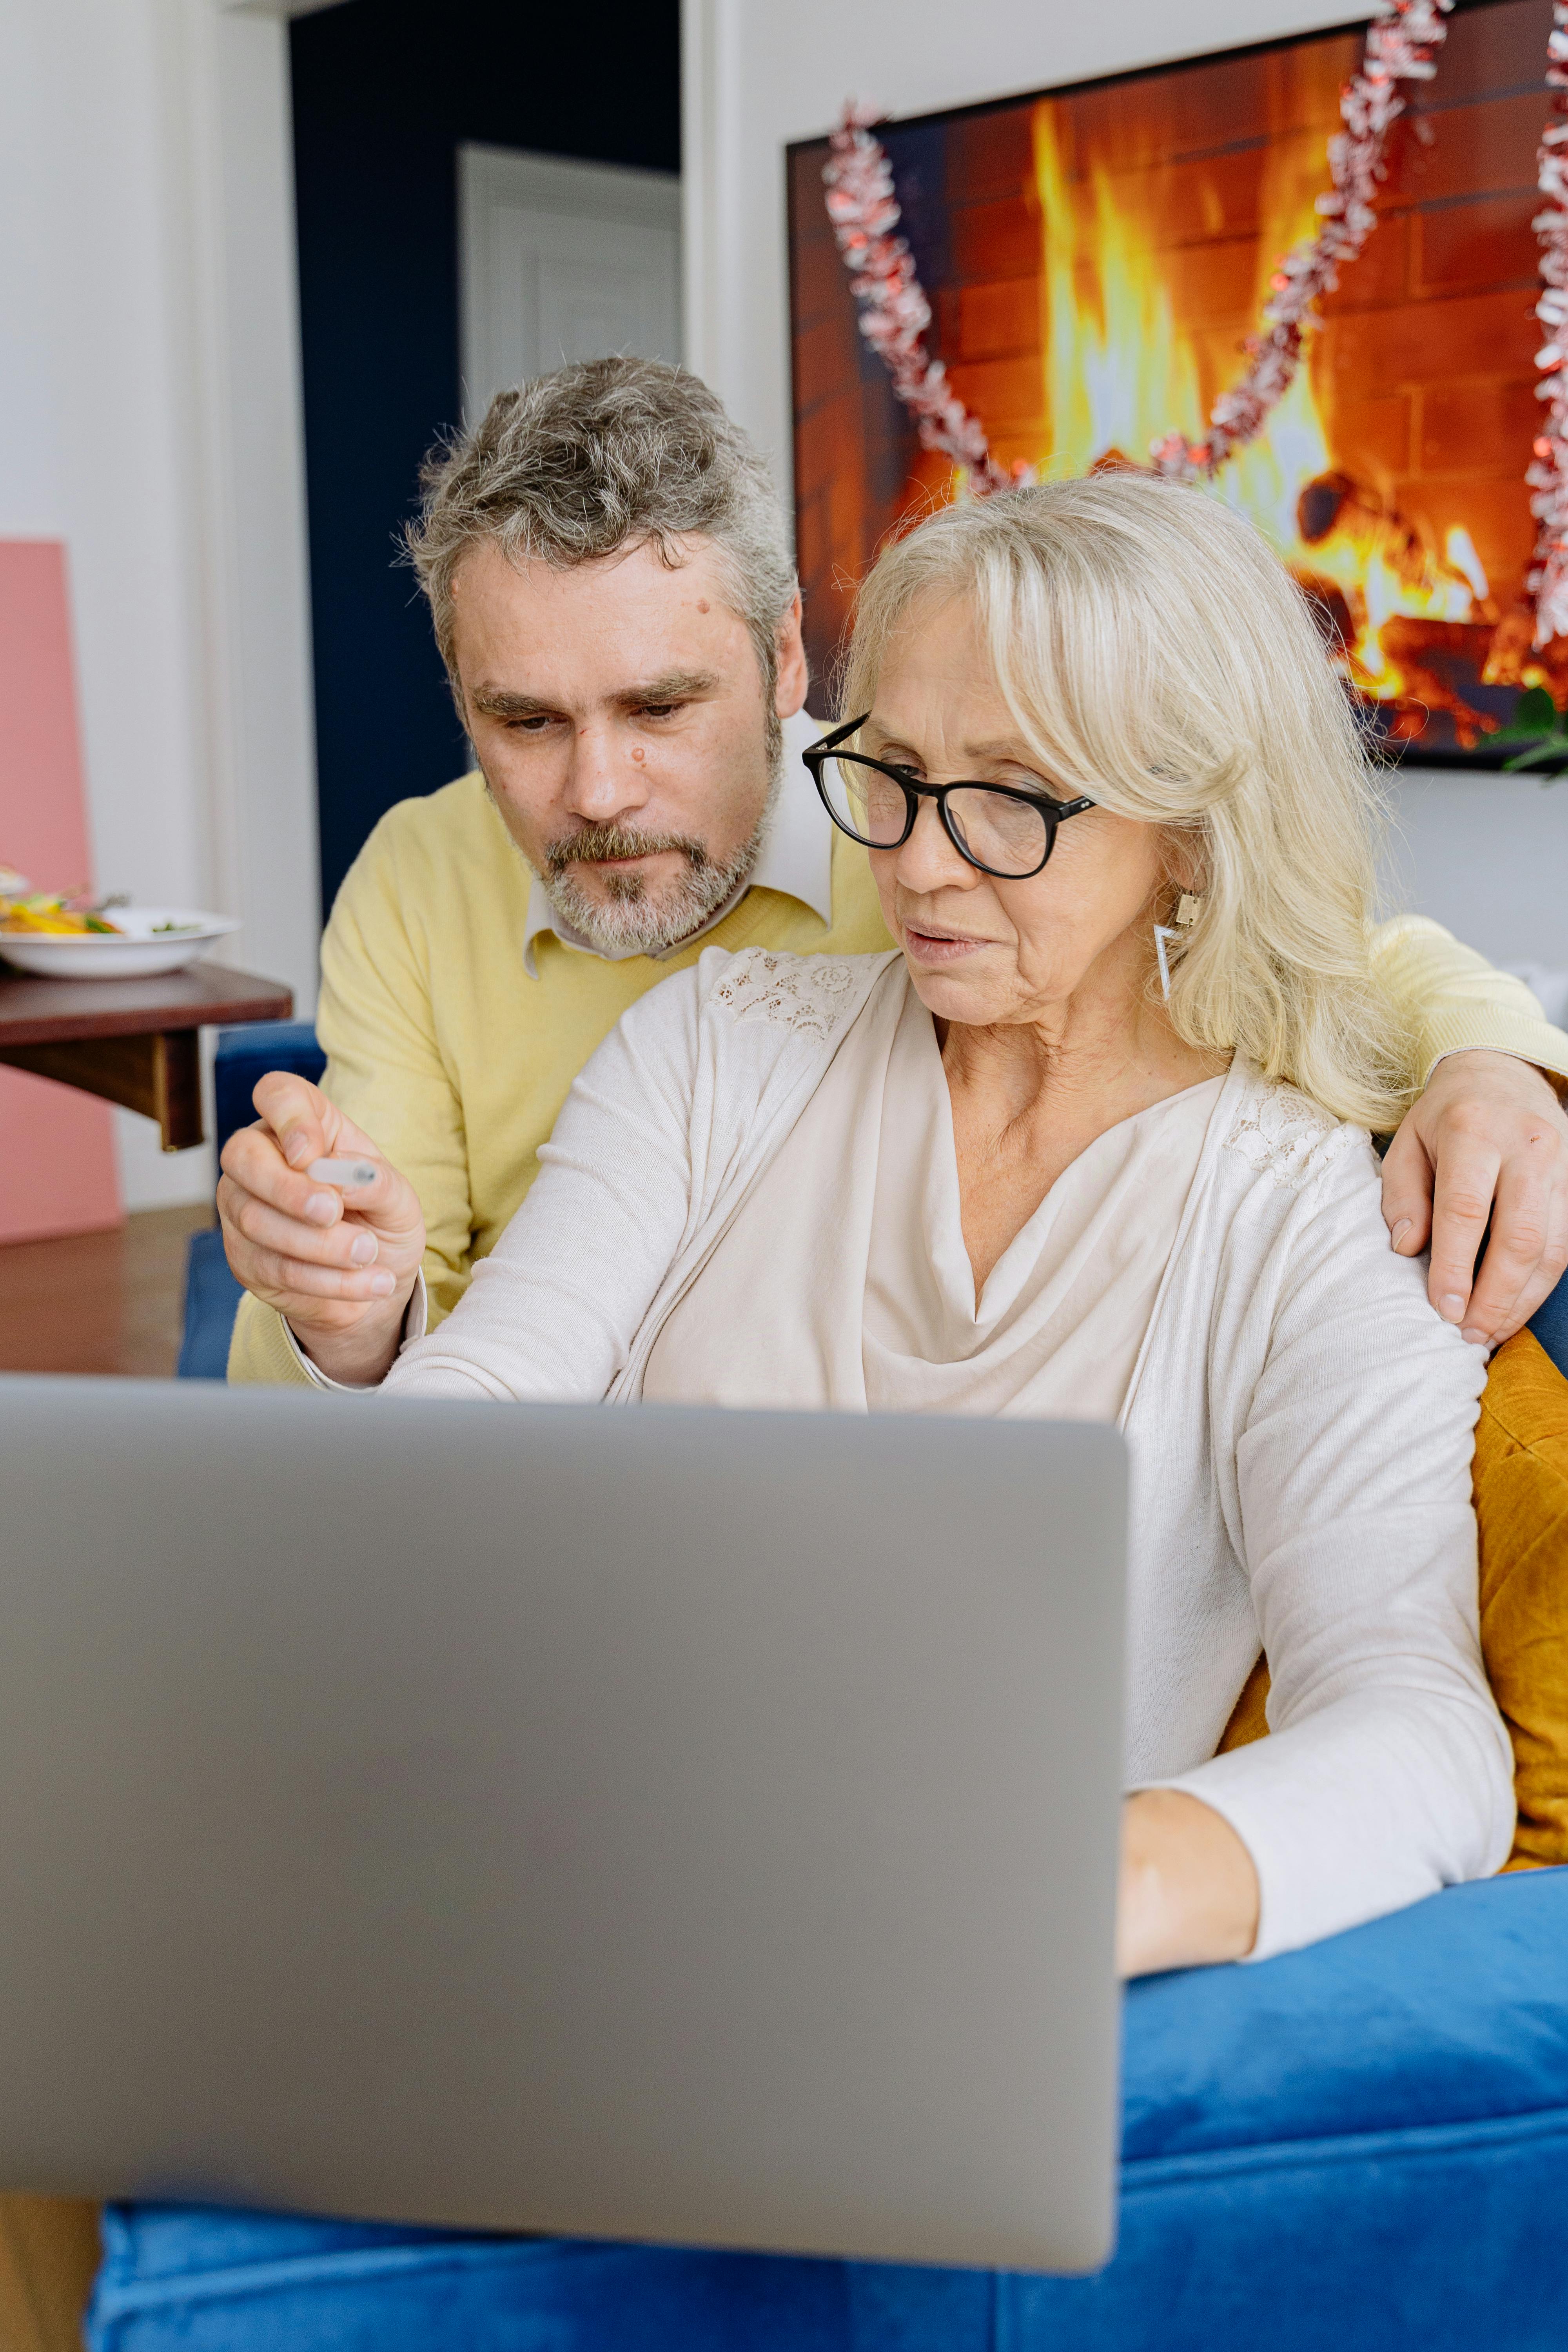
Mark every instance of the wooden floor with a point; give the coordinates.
(100, 1302)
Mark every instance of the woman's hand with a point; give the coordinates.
(1189, 1890)
(340, 1267)
(1487, 1139)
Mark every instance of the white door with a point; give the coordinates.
(562, 261)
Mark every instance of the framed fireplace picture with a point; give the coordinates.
(1094, 258)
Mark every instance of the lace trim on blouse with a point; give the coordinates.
(807, 994)
(1278, 1131)
(1282, 1133)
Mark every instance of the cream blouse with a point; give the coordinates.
(750, 1196)
(895, 1327)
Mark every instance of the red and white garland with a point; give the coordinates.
(894, 312)
(1402, 46)
(1547, 579)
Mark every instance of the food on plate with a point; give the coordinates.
(47, 912)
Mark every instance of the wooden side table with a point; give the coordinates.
(132, 1040)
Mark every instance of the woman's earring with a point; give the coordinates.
(1188, 909)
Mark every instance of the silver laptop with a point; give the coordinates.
(661, 1824)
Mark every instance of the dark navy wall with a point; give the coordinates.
(385, 92)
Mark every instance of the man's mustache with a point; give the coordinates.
(592, 843)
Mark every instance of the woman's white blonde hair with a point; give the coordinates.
(1155, 653)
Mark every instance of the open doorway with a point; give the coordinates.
(387, 96)
(562, 261)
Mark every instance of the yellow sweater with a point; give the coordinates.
(444, 1050)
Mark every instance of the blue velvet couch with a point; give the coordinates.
(1362, 2146)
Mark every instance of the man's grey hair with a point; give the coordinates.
(603, 457)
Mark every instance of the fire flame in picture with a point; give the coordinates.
(1121, 372)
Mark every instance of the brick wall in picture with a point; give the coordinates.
(1094, 259)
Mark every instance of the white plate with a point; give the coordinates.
(99, 955)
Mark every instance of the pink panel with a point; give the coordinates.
(56, 1152)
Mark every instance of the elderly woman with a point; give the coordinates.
(1093, 1144)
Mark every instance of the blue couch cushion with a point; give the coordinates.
(1452, 2013)
(212, 1294)
(245, 1056)
(212, 1302)
(1550, 1325)
(1363, 2145)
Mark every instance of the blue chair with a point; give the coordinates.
(1550, 1325)
(1363, 2145)
(212, 1294)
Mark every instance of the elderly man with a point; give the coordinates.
(609, 578)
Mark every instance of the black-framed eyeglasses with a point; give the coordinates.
(1000, 828)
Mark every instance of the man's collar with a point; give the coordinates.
(796, 860)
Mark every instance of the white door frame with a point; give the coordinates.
(251, 546)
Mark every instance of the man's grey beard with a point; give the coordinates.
(632, 917)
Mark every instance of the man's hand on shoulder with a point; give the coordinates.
(340, 1267)
(1487, 1139)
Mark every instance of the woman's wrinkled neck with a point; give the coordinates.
(1111, 1039)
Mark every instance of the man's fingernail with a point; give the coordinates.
(296, 1146)
(1476, 1339)
(1452, 1308)
(383, 1285)
(363, 1249)
(1400, 1230)
(321, 1209)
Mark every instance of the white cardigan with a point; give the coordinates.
(1300, 1422)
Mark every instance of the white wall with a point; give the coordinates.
(149, 389)
(1488, 856)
